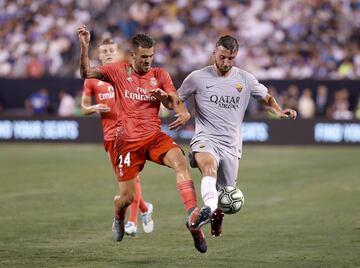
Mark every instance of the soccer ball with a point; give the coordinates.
(231, 199)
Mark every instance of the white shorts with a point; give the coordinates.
(227, 163)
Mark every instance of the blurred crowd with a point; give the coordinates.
(39, 103)
(279, 39)
(318, 103)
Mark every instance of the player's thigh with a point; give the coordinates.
(207, 164)
(228, 171)
(137, 178)
(176, 160)
(202, 154)
(164, 150)
(110, 149)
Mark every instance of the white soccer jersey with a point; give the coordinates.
(220, 104)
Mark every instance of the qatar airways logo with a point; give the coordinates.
(108, 95)
(228, 102)
(140, 94)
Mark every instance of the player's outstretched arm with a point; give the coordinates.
(173, 102)
(272, 106)
(87, 108)
(85, 70)
(182, 114)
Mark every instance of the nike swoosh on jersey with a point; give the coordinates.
(209, 86)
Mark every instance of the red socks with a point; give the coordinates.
(187, 193)
(134, 207)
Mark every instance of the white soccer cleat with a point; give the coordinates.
(148, 223)
(130, 228)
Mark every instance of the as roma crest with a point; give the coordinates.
(239, 87)
(202, 145)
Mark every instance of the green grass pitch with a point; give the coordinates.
(302, 209)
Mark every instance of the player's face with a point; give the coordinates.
(108, 53)
(142, 59)
(224, 59)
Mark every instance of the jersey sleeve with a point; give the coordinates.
(258, 90)
(166, 82)
(109, 72)
(88, 88)
(187, 88)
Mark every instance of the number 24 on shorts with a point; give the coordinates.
(125, 160)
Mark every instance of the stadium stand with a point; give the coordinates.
(319, 40)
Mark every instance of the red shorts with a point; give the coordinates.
(131, 156)
(110, 149)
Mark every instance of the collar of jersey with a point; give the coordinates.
(221, 76)
(130, 71)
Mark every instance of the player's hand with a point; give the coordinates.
(101, 108)
(159, 94)
(290, 113)
(84, 35)
(286, 114)
(181, 120)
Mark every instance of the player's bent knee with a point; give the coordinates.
(180, 165)
(127, 199)
(208, 170)
(124, 200)
(175, 159)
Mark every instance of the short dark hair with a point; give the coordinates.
(228, 42)
(142, 40)
(106, 41)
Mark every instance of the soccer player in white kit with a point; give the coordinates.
(222, 92)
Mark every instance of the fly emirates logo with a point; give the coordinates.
(108, 95)
(140, 94)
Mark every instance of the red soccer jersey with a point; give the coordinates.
(137, 110)
(104, 93)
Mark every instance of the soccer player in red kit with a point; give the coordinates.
(105, 99)
(139, 90)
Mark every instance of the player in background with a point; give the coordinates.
(139, 89)
(104, 94)
(221, 92)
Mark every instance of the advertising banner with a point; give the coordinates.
(88, 130)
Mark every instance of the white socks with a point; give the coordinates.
(209, 193)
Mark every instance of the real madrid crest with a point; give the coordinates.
(153, 82)
(239, 87)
